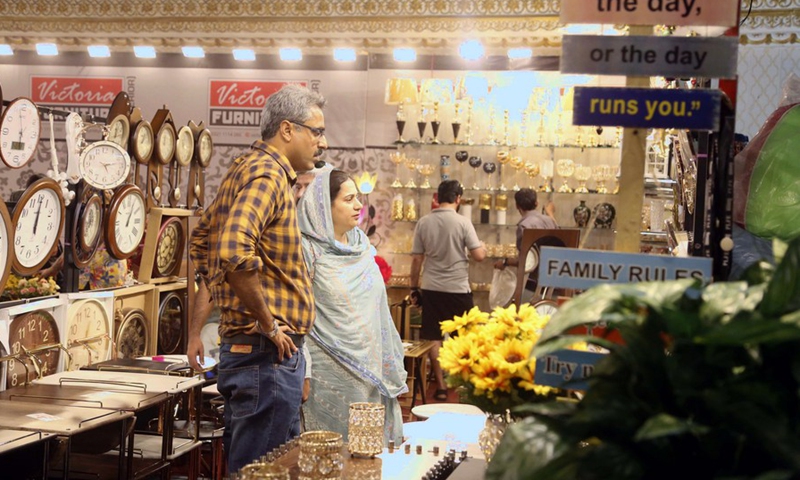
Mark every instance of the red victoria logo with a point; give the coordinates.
(242, 93)
(75, 90)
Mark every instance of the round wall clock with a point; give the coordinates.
(170, 323)
(20, 128)
(119, 131)
(6, 245)
(142, 142)
(86, 231)
(125, 222)
(546, 307)
(88, 338)
(204, 148)
(105, 165)
(29, 331)
(184, 149)
(132, 335)
(165, 143)
(170, 247)
(38, 220)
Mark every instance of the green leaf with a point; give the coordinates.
(783, 292)
(725, 299)
(526, 446)
(662, 425)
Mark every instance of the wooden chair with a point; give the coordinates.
(532, 240)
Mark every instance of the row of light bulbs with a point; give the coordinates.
(468, 50)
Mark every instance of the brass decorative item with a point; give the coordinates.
(485, 205)
(532, 169)
(365, 428)
(517, 163)
(602, 174)
(475, 162)
(489, 168)
(547, 176)
(501, 205)
(435, 123)
(582, 174)
(456, 124)
(506, 140)
(425, 170)
(411, 164)
(264, 471)
(397, 207)
(502, 159)
(397, 158)
(565, 168)
(320, 455)
(422, 124)
(401, 92)
(411, 210)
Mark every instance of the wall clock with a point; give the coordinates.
(171, 315)
(38, 221)
(164, 150)
(88, 335)
(27, 332)
(184, 151)
(20, 128)
(170, 247)
(119, 131)
(125, 221)
(105, 165)
(546, 307)
(132, 336)
(203, 151)
(6, 245)
(87, 227)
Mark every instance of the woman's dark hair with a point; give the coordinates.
(338, 177)
(449, 190)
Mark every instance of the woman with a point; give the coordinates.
(356, 352)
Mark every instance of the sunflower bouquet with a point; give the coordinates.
(488, 357)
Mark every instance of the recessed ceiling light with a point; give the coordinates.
(97, 51)
(46, 49)
(5, 49)
(471, 50)
(244, 54)
(193, 52)
(144, 51)
(291, 54)
(344, 54)
(404, 54)
(515, 53)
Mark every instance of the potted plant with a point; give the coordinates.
(705, 385)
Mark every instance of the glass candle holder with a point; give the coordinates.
(320, 455)
(262, 471)
(365, 428)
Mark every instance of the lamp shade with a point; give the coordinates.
(401, 90)
(437, 90)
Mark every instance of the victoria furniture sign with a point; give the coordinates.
(238, 103)
(89, 95)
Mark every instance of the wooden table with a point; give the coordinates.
(24, 454)
(415, 352)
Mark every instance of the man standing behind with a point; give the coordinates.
(246, 247)
(441, 241)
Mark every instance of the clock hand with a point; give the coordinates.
(130, 214)
(38, 211)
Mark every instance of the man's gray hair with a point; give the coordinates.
(292, 102)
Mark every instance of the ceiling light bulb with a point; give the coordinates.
(98, 51)
(5, 49)
(404, 54)
(291, 54)
(193, 52)
(144, 51)
(46, 49)
(244, 54)
(516, 53)
(344, 54)
(471, 50)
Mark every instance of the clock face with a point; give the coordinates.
(546, 307)
(6, 250)
(126, 222)
(132, 336)
(204, 148)
(166, 143)
(119, 131)
(20, 128)
(38, 219)
(105, 165)
(185, 146)
(87, 333)
(26, 332)
(143, 142)
(170, 324)
(91, 218)
(169, 247)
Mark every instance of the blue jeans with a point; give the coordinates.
(262, 400)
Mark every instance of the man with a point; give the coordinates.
(246, 248)
(441, 241)
(526, 206)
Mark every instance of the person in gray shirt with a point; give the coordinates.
(441, 241)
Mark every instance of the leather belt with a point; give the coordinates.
(245, 339)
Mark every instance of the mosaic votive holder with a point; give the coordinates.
(365, 428)
(320, 455)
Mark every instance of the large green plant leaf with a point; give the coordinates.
(783, 292)
(725, 299)
(667, 425)
(526, 446)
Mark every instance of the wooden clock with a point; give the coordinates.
(26, 332)
(87, 223)
(163, 151)
(132, 334)
(88, 337)
(141, 144)
(118, 120)
(184, 151)
(6, 245)
(170, 247)
(20, 128)
(38, 220)
(203, 151)
(171, 319)
(125, 221)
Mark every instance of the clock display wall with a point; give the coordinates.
(88, 333)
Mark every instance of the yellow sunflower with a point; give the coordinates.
(487, 378)
(457, 356)
(512, 355)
